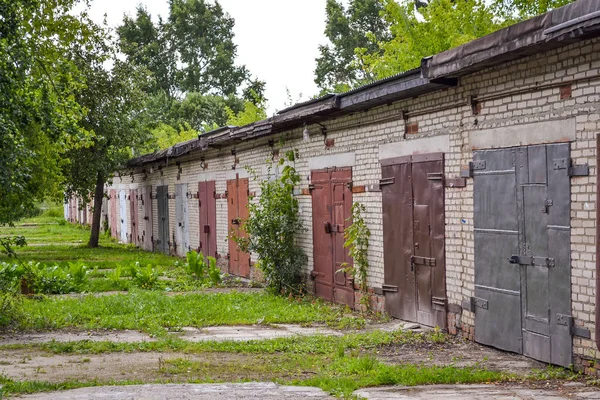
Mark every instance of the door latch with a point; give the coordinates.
(328, 227)
(547, 204)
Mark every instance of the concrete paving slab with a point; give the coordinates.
(473, 392)
(226, 391)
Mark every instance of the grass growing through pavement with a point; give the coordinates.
(338, 365)
(153, 312)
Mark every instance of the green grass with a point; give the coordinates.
(152, 312)
(314, 344)
(338, 365)
(58, 238)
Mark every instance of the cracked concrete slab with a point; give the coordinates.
(475, 392)
(251, 390)
(240, 333)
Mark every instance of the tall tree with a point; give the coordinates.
(442, 25)
(145, 44)
(201, 33)
(114, 100)
(38, 113)
(358, 26)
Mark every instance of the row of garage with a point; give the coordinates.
(478, 172)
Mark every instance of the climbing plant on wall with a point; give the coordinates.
(272, 226)
(357, 241)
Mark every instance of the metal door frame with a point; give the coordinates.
(207, 215)
(147, 233)
(237, 212)
(541, 203)
(406, 181)
(134, 211)
(162, 198)
(332, 284)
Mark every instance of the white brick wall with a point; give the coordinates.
(512, 105)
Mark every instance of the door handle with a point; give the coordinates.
(412, 263)
(328, 227)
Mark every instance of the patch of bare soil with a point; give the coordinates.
(460, 353)
(147, 367)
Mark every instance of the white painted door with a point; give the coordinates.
(123, 215)
(182, 235)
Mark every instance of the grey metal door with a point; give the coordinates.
(182, 234)
(147, 236)
(414, 238)
(522, 251)
(162, 199)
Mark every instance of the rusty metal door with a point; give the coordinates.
(182, 234)
(413, 238)
(331, 203)
(522, 297)
(237, 212)
(133, 204)
(208, 218)
(162, 199)
(147, 236)
(113, 213)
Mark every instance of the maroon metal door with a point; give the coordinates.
(237, 212)
(413, 238)
(331, 201)
(147, 237)
(208, 218)
(133, 204)
(113, 213)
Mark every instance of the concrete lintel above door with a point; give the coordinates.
(563, 130)
(332, 160)
(434, 144)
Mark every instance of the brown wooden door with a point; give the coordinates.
(208, 218)
(413, 238)
(237, 212)
(113, 213)
(331, 201)
(133, 204)
(147, 236)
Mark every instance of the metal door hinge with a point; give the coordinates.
(478, 165)
(569, 321)
(386, 181)
(311, 186)
(572, 170)
(349, 185)
(389, 288)
(472, 303)
(526, 260)
(480, 303)
(439, 301)
(435, 176)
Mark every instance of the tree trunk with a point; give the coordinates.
(97, 216)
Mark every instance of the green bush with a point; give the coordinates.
(272, 226)
(10, 310)
(146, 277)
(200, 270)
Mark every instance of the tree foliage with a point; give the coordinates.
(114, 100)
(360, 25)
(196, 84)
(442, 25)
(38, 112)
(514, 10)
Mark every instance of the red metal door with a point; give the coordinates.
(133, 204)
(237, 212)
(113, 213)
(208, 218)
(332, 201)
(413, 238)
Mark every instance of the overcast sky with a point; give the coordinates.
(277, 39)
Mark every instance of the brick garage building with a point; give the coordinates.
(478, 171)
